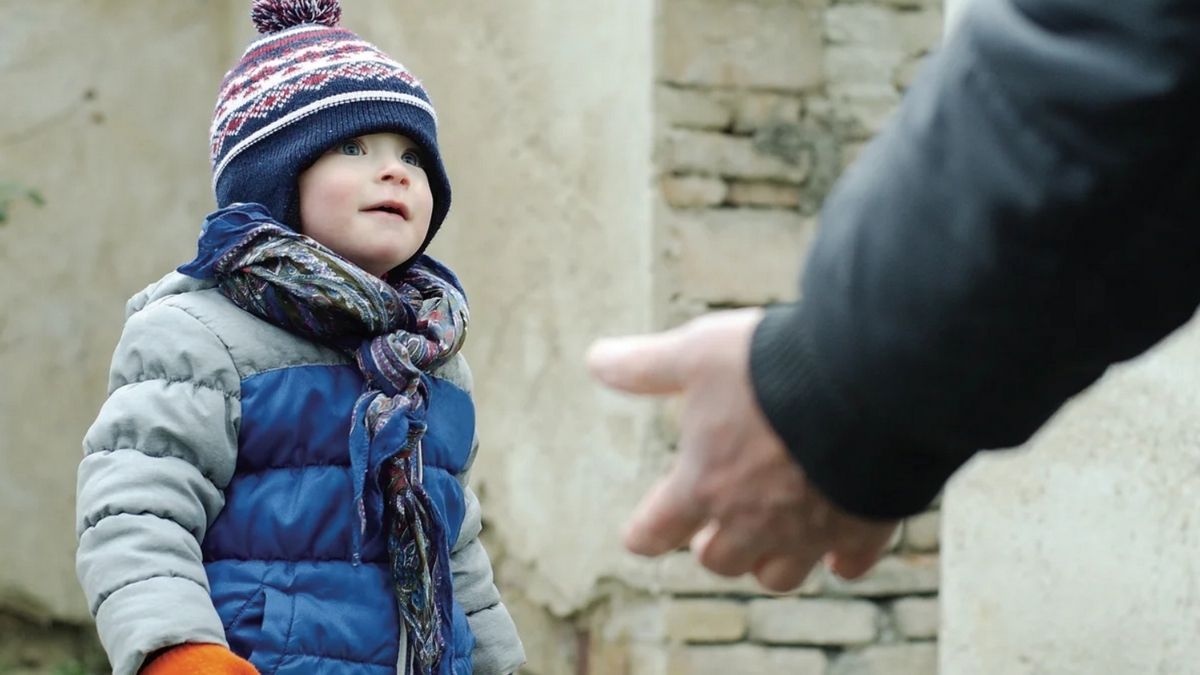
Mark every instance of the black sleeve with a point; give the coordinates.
(1028, 218)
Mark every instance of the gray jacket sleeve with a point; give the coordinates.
(150, 484)
(1027, 219)
(498, 648)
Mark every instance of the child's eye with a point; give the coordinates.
(412, 157)
(352, 148)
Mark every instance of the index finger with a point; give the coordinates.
(638, 364)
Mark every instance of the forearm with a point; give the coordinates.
(1018, 228)
(155, 461)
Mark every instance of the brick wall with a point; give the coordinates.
(760, 105)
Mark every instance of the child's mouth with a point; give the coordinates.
(391, 208)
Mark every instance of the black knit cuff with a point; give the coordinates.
(859, 465)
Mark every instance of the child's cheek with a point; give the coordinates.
(339, 186)
(334, 197)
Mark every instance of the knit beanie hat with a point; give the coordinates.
(303, 87)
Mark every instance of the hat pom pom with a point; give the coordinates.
(271, 16)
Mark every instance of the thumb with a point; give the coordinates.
(639, 364)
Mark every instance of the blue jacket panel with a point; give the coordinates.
(281, 555)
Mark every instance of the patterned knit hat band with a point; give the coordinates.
(292, 72)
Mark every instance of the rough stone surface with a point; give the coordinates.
(746, 659)
(869, 104)
(916, 618)
(706, 620)
(895, 575)
(1076, 553)
(694, 108)
(895, 659)
(869, 54)
(743, 43)
(713, 154)
(766, 195)
(789, 142)
(923, 532)
(710, 250)
(625, 633)
(550, 643)
(694, 191)
(880, 28)
(753, 111)
(916, 4)
(119, 152)
(813, 621)
(644, 660)
(545, 111)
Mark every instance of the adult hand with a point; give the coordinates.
(734, 492)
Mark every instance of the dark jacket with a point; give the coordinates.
(1028, 219)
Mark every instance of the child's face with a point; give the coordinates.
(368, 199)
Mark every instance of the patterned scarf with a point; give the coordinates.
(397, 330)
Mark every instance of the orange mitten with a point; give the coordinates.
(199, 659)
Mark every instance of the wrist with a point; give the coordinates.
(862, 465)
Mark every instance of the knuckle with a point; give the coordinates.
(720, 562)
(781, 577)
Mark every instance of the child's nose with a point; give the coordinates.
(394, 170)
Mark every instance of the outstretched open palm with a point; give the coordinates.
(734, 493)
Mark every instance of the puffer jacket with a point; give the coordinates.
(216, 503)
